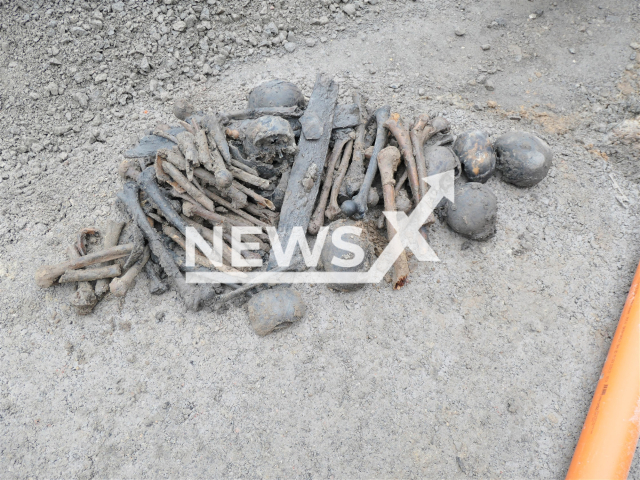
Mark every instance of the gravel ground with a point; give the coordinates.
(484, 365)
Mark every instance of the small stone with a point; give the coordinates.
(78, 31)
(118, 7)
(101, 77)
(635, 46)
(81, 99)
(489, 86)
(421, 92)
(36, 147)
(144, 65)
(182, 108)
(320, 21)
(460, 32)
(311, 42)
(349, 9)
(59, 131)
(179, 26)
(572, 51)
(486, 47)
(34, 95)
(290, 46)
(55, 61)
(190, 21)
(492, 104)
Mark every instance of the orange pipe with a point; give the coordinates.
(610, 432)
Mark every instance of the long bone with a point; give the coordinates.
(334, 209)
(317, 219)
(355, 174)
(397, 127)
(388, 161)
(111, 236)
(193, 296)
(357, 207)
(47, 275)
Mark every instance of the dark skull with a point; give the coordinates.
(476, 154)
(523, 158)
(267, 137)
(276, 93)
(473, 214)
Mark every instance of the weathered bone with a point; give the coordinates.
(357, 207)
(193, 296)
(334, 209)
(190, 209)
(242, 166)
(281, 189)
(286, 112)
(90, 274)
(317, 219)
(216, 136)
(156, 285)
(238, 198)
(200, 259)
(235, 210)
(189, 187)
(211, 160)
(401, 133)
(248, 178)
(47, 275)
(148, 183)
(84, 298)
(388, 161)
(256, 196)
(419, 134)
(355, 174)
(111, 236)
(232, 133)
(120, 286)
(80, 244)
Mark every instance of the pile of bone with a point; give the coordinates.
(286, 162)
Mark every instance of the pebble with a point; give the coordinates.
(460, 32)
(179, 26)
(311, 42)
(489, 86)
(421, 92)
(320, 21)
(486, 47)
(349, 9)
(572, 51)
(118, 7)
(290, 46)
(101, 77)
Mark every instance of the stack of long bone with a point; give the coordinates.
(245, 169)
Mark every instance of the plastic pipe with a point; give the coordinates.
(610, 432)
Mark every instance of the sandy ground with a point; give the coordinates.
(483, 366)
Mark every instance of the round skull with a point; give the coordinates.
(473, 214)
(523, 159)
(476, 154)
(274, 309)
(440, 160)
(276, 93)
